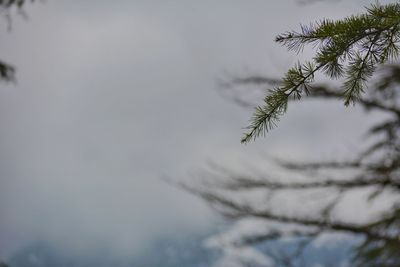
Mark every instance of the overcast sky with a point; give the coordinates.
(113, 95)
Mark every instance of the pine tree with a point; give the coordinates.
(352, 49)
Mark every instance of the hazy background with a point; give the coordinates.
(114, 95)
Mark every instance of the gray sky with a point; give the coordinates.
(112, 95)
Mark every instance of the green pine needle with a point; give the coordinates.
(351, 48)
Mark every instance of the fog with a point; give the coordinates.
(113, 96)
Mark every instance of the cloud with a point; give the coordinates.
(109, 98)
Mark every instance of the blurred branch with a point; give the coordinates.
(235, 210)
(7, 72)
(376, 169)
(240, 183)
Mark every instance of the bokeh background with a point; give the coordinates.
(113, 96)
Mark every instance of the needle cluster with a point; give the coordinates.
(349, 49)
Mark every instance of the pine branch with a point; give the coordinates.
(236, 210)
(351, 48)
(324, 92)
(246, 183)
(7, 72)
(265, 117)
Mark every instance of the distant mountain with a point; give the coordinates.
(167, 252)
(163, 253)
